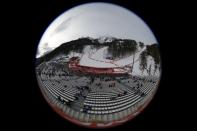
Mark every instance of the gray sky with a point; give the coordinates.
(95, 20)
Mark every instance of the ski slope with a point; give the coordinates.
(97, 59)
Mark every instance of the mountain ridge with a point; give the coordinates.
(79, 43)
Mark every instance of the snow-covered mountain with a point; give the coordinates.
(94, 58)
(104, 39)
(89, 47)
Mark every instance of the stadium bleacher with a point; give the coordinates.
(102, 99)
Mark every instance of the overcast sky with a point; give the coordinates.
(95, 20)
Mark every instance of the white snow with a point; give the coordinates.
(97, 59)
(100, 55)
(129, 60)
(74, 54)
(150, 61)
(87, 61)
(105, 39)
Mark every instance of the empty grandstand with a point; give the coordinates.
(98, 83)
(94, 100)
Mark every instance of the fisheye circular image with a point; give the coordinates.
(98, 65)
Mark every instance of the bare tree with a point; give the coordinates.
(143, 61)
